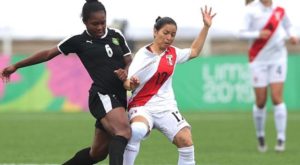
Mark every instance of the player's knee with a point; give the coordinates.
(276, 100)
(183, 138)
(139, 131)
(183, 141)
(126, 133)
(261, 104)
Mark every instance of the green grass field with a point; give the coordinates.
(221, 138)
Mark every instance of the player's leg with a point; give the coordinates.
(259, 117)
(140, 127)
(280, 116)
(184, 143)
(178, 131)
(259, 74)
(113, 118)
(278, 76)
(101, 141)
(94, 154)
(116, 123)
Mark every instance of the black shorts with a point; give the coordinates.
(100, 104)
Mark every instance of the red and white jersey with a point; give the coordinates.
(155, 74)
(274, 18)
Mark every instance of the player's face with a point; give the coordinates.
(165, 36)
(96, 24)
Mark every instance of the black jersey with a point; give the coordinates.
(100, 57)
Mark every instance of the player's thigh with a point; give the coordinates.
(259, 75)
(116, 122)
(170, 123)
(110, 111)
(278, 72)
(101, 104)
(141, 114)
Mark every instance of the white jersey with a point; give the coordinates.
(274, 18)
(155, 74)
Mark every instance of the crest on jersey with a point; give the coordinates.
(277, 15)
(115, 41)
(169, 59)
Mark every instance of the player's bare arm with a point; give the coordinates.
(39, 57)
(198, 43)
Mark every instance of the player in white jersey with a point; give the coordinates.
(152, 104)
(267, 26)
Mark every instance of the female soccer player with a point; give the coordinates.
(265, 25)
(153, 104)
(105, 55)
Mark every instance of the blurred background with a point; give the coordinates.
(220, 81)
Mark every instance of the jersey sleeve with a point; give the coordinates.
(182, 55)
(68, 45)
(135, 64)
(246, 31)
(288, 26)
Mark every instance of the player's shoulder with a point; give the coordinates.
(254, 5)
(114, 32)
(75, 38)
(141, 51)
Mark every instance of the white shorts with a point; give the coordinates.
(265, 74)
(168, 122)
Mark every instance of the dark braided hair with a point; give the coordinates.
(161, 21)
(89, 7)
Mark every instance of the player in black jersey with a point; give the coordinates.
(106, 56)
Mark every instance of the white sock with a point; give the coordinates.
(280, 117)
(259, 117)
(131, 153)
(186, 156)
(139, 131)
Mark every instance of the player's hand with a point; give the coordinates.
(294, 40)
(121, 73)
(134, 82)
(264, 34)
(6, 72)
(207, 16)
